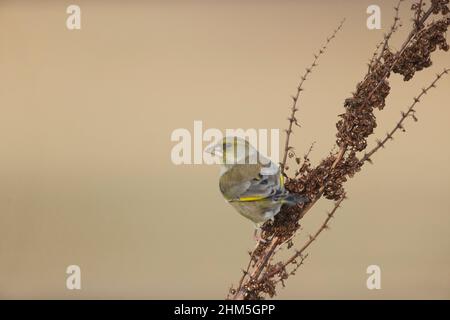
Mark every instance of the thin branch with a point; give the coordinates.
(245, 272)
(258, 270)
(374, 56)
(292, 119)
(404, 115)
(418, 14)
(298, 264)
(305, 159)
(311, 239)
(388, 36)
(411, 36)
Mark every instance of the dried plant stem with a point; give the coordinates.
(311, 239)
(418, 13)
(354, 127)
(272, 245)
(409, 113)
(387, 37)
(266, 259)
(374, 57)
(292, 119)
(275, 241)
(411, 36)
(245, 272)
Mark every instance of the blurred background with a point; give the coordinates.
(86, 176)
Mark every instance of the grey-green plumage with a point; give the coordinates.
(254, 188)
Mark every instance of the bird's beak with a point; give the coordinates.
(214, 149)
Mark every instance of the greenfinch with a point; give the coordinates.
(250, 182)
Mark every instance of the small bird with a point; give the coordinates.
(250, 182)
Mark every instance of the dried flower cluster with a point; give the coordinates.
(418, 55)
(355, 125)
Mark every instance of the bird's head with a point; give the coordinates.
(233, 150)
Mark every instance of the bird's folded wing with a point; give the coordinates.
(250, 182)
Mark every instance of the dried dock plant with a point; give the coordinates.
(264, 272)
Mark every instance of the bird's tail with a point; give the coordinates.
(291, 199)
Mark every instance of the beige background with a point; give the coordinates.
(85, 170)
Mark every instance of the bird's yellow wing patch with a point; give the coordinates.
(254, 198)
